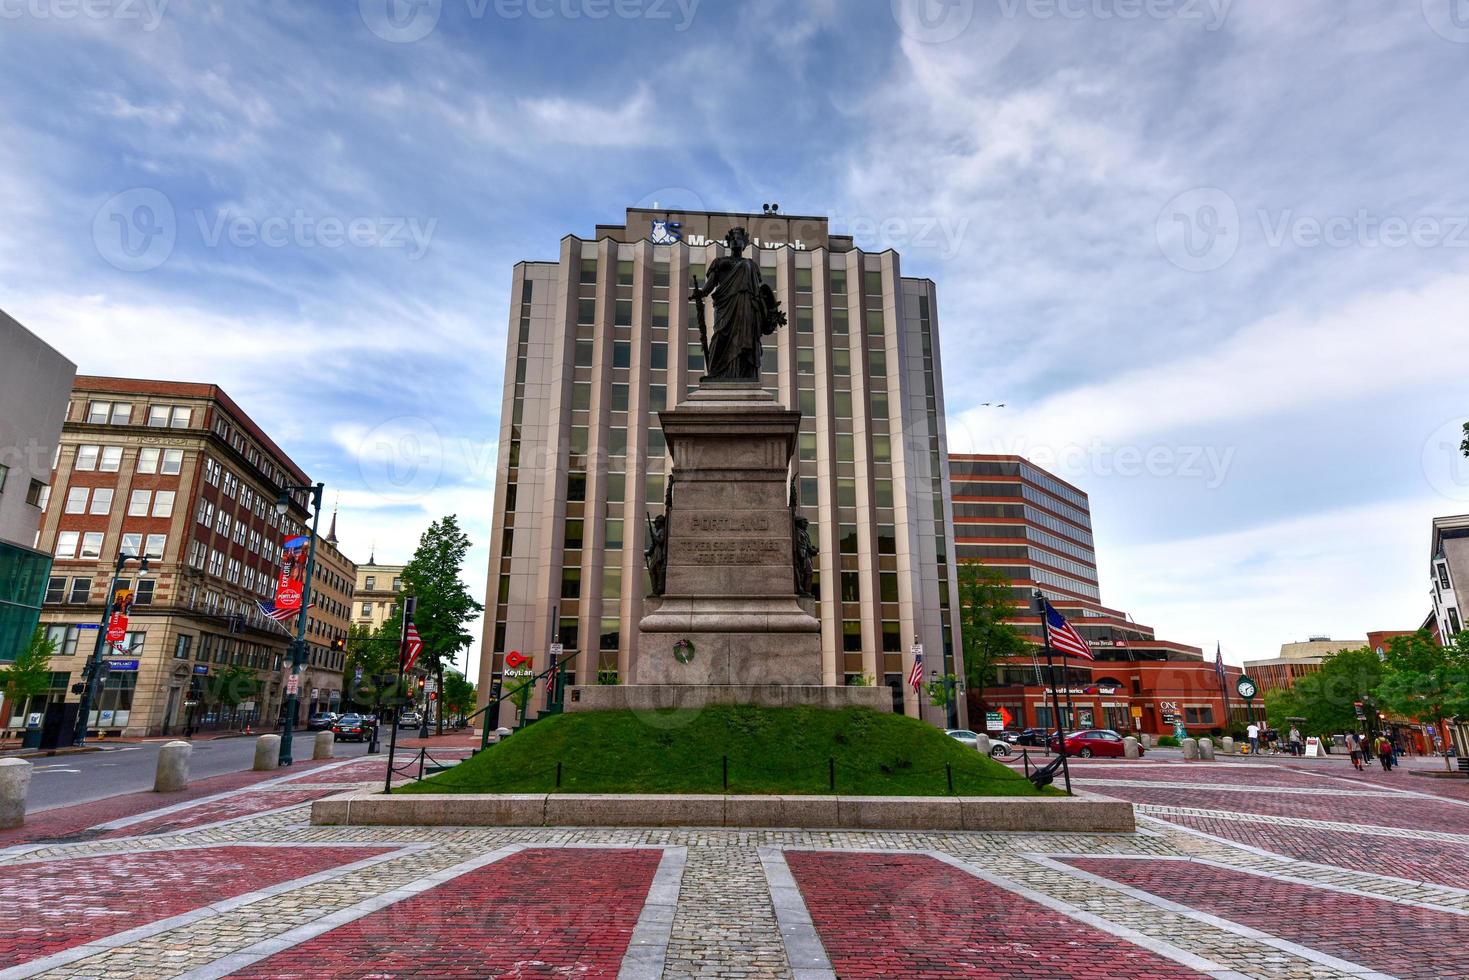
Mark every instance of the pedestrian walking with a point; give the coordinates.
(1384, 752)
(1253, 733)
(1354, 747)
(1295, 740)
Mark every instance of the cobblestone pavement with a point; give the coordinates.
(1238, 870)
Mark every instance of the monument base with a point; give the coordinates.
(690, 697)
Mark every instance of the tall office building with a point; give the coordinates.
(1035, 529)
(605, 337)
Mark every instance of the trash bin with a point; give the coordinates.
(32, 737)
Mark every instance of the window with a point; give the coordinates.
(87, 457)
(37, 493)
(65, 639)
(55, 589)
(111, 459)
(163, 503)
(144, 594)
(216, 563)
(621, 353)
(138, 503)
(371, 582)
(117, 413)
(173, 461)
(81, 590)
(155, 546)
(148, 459)
(92, 544)
(102, 500)
(98, 412)
(570, 583)
(132, 544)
(1198, 714)
(367, 609)
(212, 470)
(66, 544)
(76, 500)
(181, 647)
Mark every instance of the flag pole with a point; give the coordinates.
(1051, 681)
(1223, 678)
(407, 612)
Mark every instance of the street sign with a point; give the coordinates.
(293, 683)
(993, 722)
(122, 665)
(86, 626)
(555, 651)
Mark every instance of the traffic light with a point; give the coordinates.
(339, 644)
(421, 682)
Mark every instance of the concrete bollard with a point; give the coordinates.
(172, 774)
(1226, 745)
(324, 743)
(1130, 747)
(15, 783)
(1206, 749)
(1146, 740)
(1190, 749)
(267, 753)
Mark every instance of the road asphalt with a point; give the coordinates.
(85, 776)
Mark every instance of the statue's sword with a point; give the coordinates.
(698, 298)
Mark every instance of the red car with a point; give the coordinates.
(1100, 742)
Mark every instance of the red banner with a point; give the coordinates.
(290, 583)
(117, 627)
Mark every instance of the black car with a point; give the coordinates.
(351, 728)
(1031, 736)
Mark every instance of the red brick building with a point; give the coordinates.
(1035, 529)
(180, 473)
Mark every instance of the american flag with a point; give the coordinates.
(915, 676)
(1064, 636)
(413, 646)
(269, 610)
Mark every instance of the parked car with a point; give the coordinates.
(1100, 742)
(1035, 737)
(409, 719)
(351, 728)
(320, 722)
(964, 736)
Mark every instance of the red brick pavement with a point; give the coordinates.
(909, 915)
(1416, 860)
(53, 906)
(1397, 939)
(240, 805)
(67, 821)
(1407, 812)
(540, 913)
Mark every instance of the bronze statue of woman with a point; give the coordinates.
(745, 310)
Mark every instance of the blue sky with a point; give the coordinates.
(1213, 256)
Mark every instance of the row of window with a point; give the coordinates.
(155, 416)
(108, 459)
(98, 501)
(88, 544)
(79, 590)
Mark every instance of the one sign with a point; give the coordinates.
(1006, 716)
(1137, 712)
(993, 722)
(1169, 706)
(293, 684)
(290, 584)
(86, 626)
(515, 658)
(1313, 746)
(117, 627)
(1246, 688)
(556, 651)
(201, 668)
(122, 664)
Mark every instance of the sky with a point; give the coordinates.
(1212, 256)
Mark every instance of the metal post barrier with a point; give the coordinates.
(558, 774)
(949, 772)
(831, 770)
(726, 774)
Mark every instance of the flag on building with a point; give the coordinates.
(915, 676)
(271, 611)
(1064, 637)
(412, 646)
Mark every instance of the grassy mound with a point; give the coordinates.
(768, 751)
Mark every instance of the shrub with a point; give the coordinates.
(1167, 741)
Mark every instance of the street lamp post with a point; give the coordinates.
(298, 645)
(94, 662)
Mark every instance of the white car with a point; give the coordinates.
(971, 739)
(409, 719)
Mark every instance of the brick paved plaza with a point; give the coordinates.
(1262, 869)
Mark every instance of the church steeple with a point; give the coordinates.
(331, 535)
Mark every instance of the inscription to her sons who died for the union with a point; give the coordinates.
(735, 552)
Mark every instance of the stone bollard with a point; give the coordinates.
(267, 753)
(1226, 745)
(1146, 740)
(1206, 749)
(15, 782)
(982, 744)
(173, 768)
(324, 743)
(1190, 749)
(1130, 747)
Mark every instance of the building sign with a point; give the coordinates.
(122, 665)
(697, 228)
(201, 668)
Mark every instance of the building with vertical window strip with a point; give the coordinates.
(605, 337)
(1036, 530)
(180, 473)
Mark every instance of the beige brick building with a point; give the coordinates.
(379, 588)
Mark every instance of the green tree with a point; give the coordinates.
(1425, 681)
(30, 673)
(375, 653)
(444, 602)
(230, 685)
(986, 606)
(458, 694)
(1326, 699)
